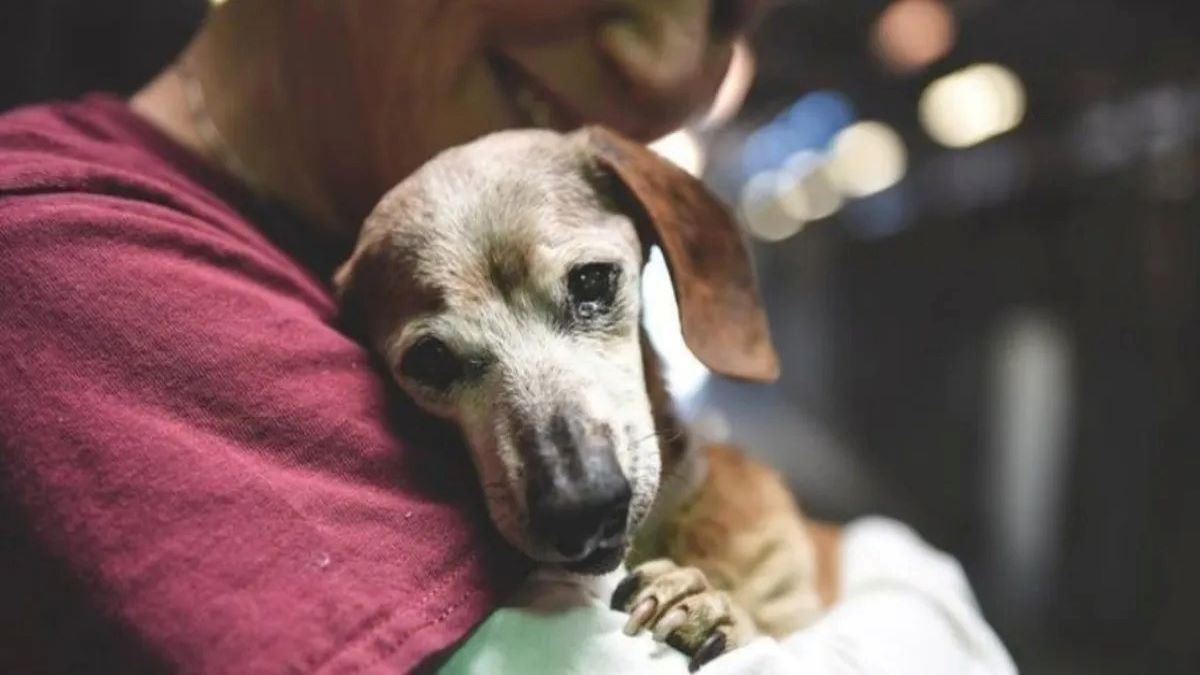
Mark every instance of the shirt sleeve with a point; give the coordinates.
(198, 472)
(905, 609)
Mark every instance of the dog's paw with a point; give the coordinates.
(681, 608)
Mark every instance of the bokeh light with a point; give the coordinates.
(810, 159)
(805, 190)
(972, 105)
(810, 123)
(912, 34)
(866, 158)
(763, 211)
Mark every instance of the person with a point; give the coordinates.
(201, 473)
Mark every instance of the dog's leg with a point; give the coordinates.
(682, 609)
(735, 520)
(742, 528)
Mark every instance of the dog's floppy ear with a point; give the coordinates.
(720, 312)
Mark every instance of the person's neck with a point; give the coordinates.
(264, 125)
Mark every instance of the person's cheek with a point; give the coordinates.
(584, 78)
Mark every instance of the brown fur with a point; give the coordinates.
(739, 524)
(736, 521)
(723, 322)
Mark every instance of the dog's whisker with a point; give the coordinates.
(676, 435)
(645, 438)
(673, 436)
(652, 437)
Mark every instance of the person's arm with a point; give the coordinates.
(197, 470)
(902, 608)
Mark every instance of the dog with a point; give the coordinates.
(499, 284)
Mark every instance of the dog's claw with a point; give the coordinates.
(669, 622)
(639, 616)
(624, 592)
(681, 608)
(712, 647)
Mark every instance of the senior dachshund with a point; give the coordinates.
(500, 286)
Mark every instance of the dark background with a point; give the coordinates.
(895, 316)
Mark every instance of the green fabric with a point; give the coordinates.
(532, 641)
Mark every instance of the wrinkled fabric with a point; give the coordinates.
(198, 472)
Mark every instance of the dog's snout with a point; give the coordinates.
(578, 497)
(578, 519)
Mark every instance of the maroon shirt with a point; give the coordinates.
(198, 471)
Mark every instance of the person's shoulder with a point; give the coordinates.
(92, 172)
(35, 128)
(96, 145)
(58, 145)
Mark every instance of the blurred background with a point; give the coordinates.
(977, 224)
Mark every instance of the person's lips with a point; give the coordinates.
(532, 102)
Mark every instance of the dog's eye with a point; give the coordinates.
(592, 288)
(430, 362)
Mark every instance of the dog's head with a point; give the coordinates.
(500, 283)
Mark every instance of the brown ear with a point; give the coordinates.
(719, 308)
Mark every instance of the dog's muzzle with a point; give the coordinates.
(577, 495)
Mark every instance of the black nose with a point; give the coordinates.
(577, 495)
(579, 519)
